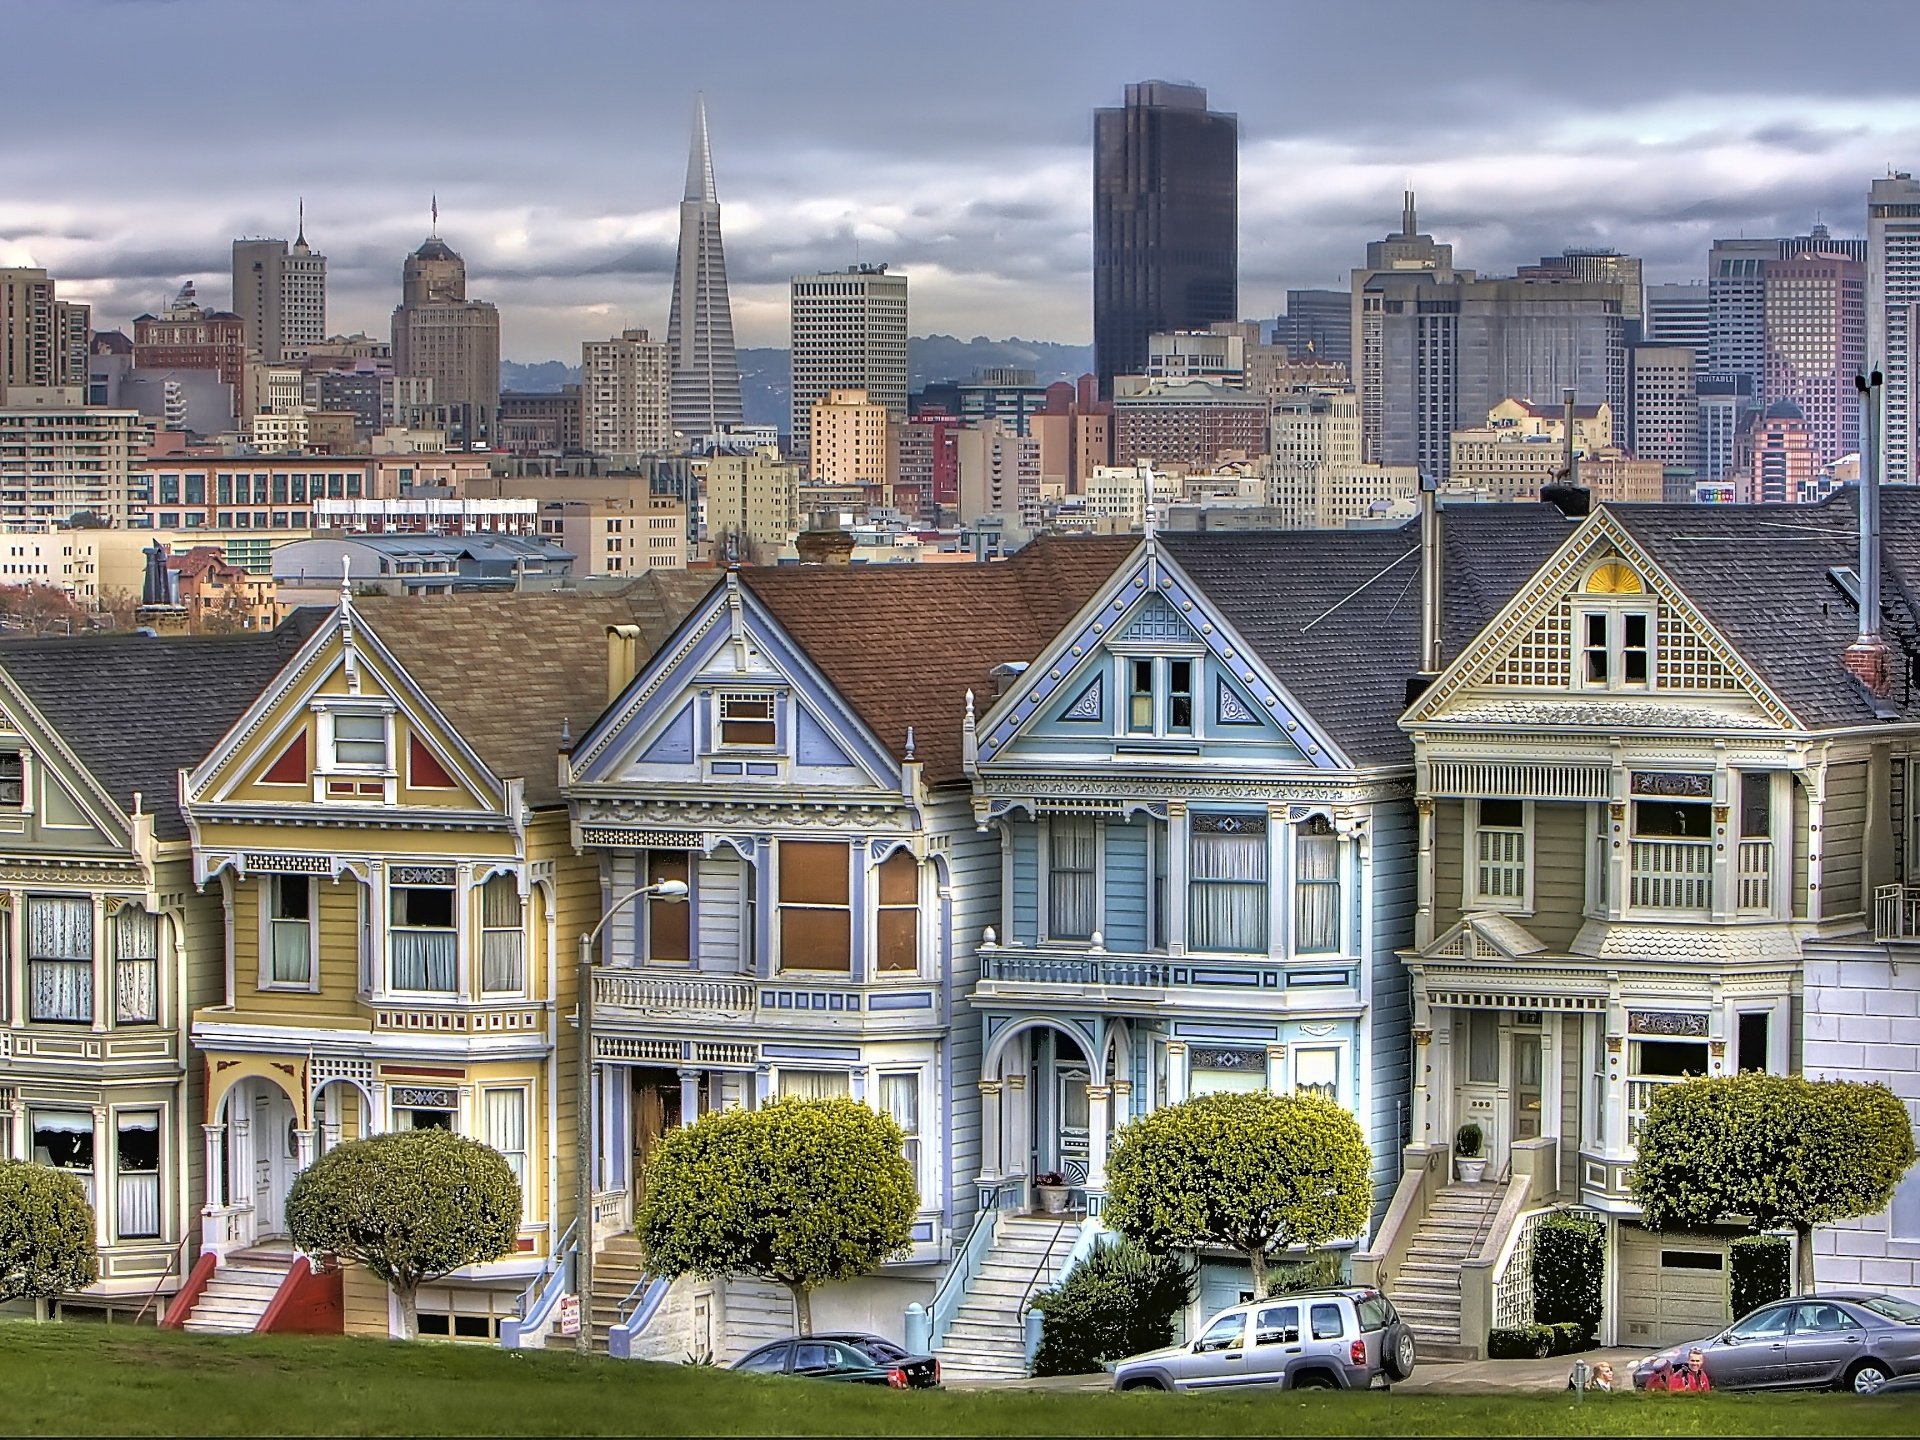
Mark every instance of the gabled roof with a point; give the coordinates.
(138, 709)
(511, 672)
(903, 644)
(1335, 614)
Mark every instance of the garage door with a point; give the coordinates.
(1672, 1287)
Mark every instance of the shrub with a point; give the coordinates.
(1466, 1144)
(1323, 1271)
(1569, 1262)
(1119, 1301)
(46, 1233)
(1519, 1342)
(1569, 1337)
(1760, 1273)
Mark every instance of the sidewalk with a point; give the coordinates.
(1439, 1377)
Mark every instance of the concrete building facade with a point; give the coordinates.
(1816, 343)
(281, 294)
(625, 386)
(60, 457)
(849, 331)
(752, 505)
(439, 334)
(1663, 405)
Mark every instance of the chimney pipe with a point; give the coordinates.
(1573, 474)
(1870, 658)
(1430, 618)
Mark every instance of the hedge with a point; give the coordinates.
(1537, 1341)
(1119, 1301)
(1760, 1273)
(1569, 1264)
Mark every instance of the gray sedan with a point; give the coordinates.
(1850, 1339)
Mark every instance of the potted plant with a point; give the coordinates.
(1469, 1163)
(1052, 1190)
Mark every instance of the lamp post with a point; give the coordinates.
(583, 1121)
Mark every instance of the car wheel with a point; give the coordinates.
(1312, 1380)
(1400, 1357)
(1866, 1377)
(1132, 1385)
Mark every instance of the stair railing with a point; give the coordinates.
(961, 1274)
(173, 1263)
(633, 1314)
(1032, 1323)
(535, 1305)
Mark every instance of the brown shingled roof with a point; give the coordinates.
(904, 643)
(511, 671)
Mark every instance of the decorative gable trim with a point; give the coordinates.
(44, 741)
(1530, 645)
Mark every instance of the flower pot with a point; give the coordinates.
(1053, 1198)
(1471, 1170)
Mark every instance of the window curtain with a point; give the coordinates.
(60, 958)
(900, 1099)
(1317, 1072)
(1227, 899)
(136, 965)
(504, 1119)
(815, 1084)
(1317, 888)
(137, 1191)
(502, 943)
(424, 960)
(1070, 884)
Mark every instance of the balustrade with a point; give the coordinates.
(1896, 912)
(656, 993)
(1671, 875)
(1754, 875)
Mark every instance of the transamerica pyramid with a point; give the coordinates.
(706, 372)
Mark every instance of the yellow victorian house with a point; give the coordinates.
(385, 828)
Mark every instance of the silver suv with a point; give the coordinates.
(1347, 1339)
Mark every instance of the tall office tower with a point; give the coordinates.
(1784, 460)
(1663, 405)
(1529, 339)
(1816, 327)
(440, 335)
(625, 385)
(1737, 309)
(1602, 266)
(29, 345)
(1405, 311)
(849, 332)
(1893, 313)
(1166, 222)
(281, 293)
(1681, 315)
(706, 368)
(72, 334)
(1318, 324)
(1726, 423)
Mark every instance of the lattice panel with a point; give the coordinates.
(1540, 659)
(1685, 661)
(1157, 620)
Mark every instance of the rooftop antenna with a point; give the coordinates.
(434, 233)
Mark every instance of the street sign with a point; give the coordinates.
(569, 1313)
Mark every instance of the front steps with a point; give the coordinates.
(987, 1339)
(243, 1286)
(1426, 1289)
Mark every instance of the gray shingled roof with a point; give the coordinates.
(1760, 574)
(138, 709)
(1335, 614)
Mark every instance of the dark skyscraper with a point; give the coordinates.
(1166, 222)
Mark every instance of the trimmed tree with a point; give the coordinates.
(1776, 1152)
(411, 1206)
(1248, 1172)
(801, 1192)
(46, 1233)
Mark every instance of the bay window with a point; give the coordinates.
(1500, 854)
(290, 910)
(502, 937)
(816, 917)
(137, 1188)
(503, 1118)
(669, 937)
(1316, 885)
(60, 959)
(1227, 882)
(897, 922)
(136, 967)
(426, 943)
(64, 1140)
(1071, 877)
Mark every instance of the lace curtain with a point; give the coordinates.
(1070, 878)
(504, 1119)
(1227, 899)
(60, 958)
(1317, 887)
(815, 1084)
(136, 966)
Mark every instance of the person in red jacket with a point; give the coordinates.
(1693, 1377)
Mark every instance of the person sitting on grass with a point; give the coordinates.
(1601, 1377)
(1693, 1377)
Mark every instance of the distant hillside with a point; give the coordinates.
(764, 376)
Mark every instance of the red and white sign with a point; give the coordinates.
(569, 1315)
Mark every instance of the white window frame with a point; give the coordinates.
(1614, 616)
(523, 1172)
(1341, 1066)
(724, 698)
(1471, 896)
(461, 987)
(1045, 898)
(25, 807)
(1161, 695)
(329, 767)
(270, 881)
(916, 1148)
(875, 910)
(161, 1129)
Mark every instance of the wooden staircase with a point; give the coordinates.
(236, 1298)
(987, 1339)
(1426, 1290)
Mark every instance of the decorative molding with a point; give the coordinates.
(421, 874)
(756, 813)
(1673, 784)
(1092, 702)
(257, 862)
(1149, 788)
(1682, 1024)
(1228, 707)
(1221, 1057)
(77, 873)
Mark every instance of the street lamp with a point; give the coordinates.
(583, 1121)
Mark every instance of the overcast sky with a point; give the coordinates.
(950, 139)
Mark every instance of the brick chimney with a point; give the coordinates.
(824, 547)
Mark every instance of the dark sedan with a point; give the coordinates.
(844, 1355)
(1846, 1339)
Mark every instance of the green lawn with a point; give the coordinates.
(60, 1380)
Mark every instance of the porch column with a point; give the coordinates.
(1099, 1119)
(376, 1110)
(1176, 1071)
(1276, 1069)
(689, 1096)
(105, 1177)
(1122, 1103)
(22, 1140)
(1017, 1137)
(989, 1129)
(302, 1149)
(216, 1139)
(1440, 1117)
(1422, 1084)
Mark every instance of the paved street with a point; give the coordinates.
(1437, 1376)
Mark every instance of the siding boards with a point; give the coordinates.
(973, 882)
(717, 897)
(1449, 856)
(1802, 817)
(1559, 872)
(1390, 1017)
(1841, 833)
(1025, 838)
(1124, 913)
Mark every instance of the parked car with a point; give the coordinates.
(844, 1355)
(1853, 1339)
(1348, 1339)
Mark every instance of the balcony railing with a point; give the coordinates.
(1753, 879)
(1896, 912)
(1020, 965)
(1029, 969)
(1671, 875)
(1640, 1095)
(671, 994)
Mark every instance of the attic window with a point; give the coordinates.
(13, 789)
(1614, 578)
(747, 720)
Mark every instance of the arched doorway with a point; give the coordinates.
(263, 1148)
(1040, 1111)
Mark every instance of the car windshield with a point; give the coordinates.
(1893, 1308)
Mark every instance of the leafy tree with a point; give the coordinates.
(1248, 1172)
(800, 1192)
(411, 1206)
(1774, 1151)
(46, 1233)
(1119, 1301)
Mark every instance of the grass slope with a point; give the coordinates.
(60, 1380)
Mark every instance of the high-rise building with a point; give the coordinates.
(60, 458)
(1190, 423)
(854, 443)
(185, 336)
(1737, 303)
(1816, 329)
(929, 474)
(848, 332)
(1531, 339)
(1166, 222)
(1075, 432)
(706, 368)
(1211, 355)
(752, 505)
(29, 346)
(1315, 477)
(999, 475)
(1784, 460)
(1893, 313)
(72, 335)
(281, 294)
(624, 384)
(1726, 420)
(1318, 325)
(1663, 405)
(439, 334)
(1600, 266)
(1681, 315)
(1406, 316)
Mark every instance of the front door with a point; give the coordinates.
(1524, 1117)
(1075, 1123)
(656, 1110)
(273, 1158)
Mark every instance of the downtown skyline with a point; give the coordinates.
(558, 154)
